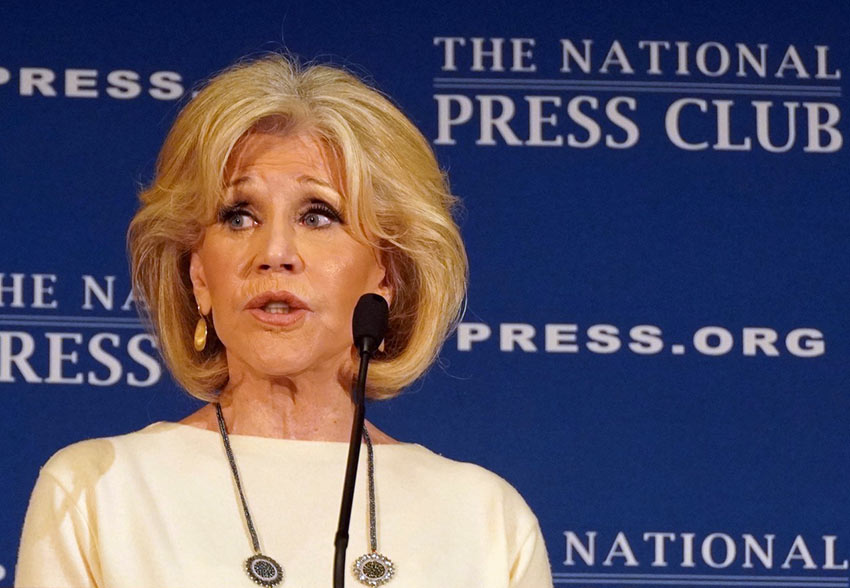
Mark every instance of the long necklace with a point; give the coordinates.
(372, 569)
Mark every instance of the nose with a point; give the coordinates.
(279, 249)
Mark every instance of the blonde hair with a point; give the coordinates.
(395, 196)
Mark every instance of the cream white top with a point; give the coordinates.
(158, 508)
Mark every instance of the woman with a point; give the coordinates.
(281, 196)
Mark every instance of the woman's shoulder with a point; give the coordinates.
(421, 467)
(85, 462)
(419, 457)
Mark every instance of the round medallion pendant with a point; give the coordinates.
(263, 570)
(373, 569)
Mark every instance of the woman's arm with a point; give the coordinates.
(58, 549)
(531, 567)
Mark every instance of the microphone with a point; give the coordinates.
(368, 327)
(369, 323)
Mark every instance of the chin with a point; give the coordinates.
(290, 359)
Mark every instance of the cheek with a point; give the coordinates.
(224, 287)
(221, 290)
(354, 275)
(340, 283)
(222, 271)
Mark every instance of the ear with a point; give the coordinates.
(199, 283)
(386, 291)
(385, 288)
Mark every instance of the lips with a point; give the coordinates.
(284, 308)
(291, 300)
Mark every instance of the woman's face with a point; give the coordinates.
(278, 268)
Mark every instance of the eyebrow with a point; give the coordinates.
(311, 181)
(234, 183)
(234, 197)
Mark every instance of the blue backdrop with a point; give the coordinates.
(655, 351)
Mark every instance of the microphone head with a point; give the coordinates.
(369, 323)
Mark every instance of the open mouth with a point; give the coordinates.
(278, 314)
(279, 308)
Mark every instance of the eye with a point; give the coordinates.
(320, 215)
(239, 220)
(236, 218)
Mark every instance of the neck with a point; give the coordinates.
(308, 407)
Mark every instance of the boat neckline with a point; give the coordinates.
(260, 439)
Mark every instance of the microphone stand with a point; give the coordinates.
(368, 326)
(341, 539)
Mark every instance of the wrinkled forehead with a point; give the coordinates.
(275, 153)
(273, 146)
(277, 137)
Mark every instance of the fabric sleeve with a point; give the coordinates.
(530, 568)
(57, 549)
(526, 550)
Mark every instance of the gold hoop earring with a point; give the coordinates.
(200, 332)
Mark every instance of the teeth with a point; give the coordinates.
(276, 308)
